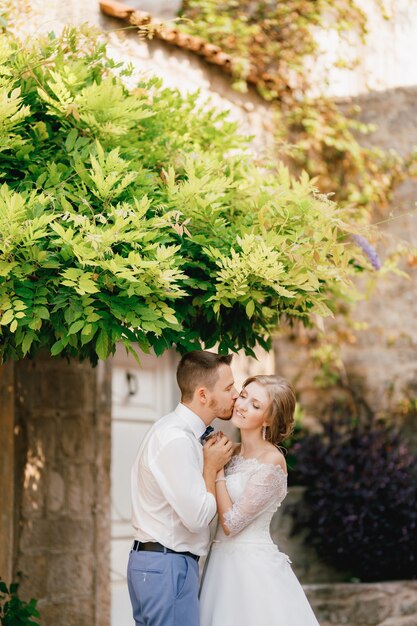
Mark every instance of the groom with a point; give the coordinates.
(173, 494)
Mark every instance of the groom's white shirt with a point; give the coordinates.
(170, 501)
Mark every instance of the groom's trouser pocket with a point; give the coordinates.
(163, 589)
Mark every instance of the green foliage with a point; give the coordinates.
(274, 45)
(329, 144)
(13, 610)
(138, 216)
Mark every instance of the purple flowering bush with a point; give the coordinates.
(361, 497)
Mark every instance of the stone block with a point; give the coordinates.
(29, 387)
(41, 435)
(77, 438)
(408, 606)
(371, 610)
(46, 385)
(401, 621)
(34, 570)
(56, 492)
(75, 612)
(364, 604)
(78, 389)
(37, 441)
(50, 535)
(33, 485)
(80, 487)
(33, 496)
(70, 575)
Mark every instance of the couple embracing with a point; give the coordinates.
(183, 475)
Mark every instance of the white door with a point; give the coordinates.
(140, 395)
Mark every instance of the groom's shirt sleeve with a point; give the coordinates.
(178, 472)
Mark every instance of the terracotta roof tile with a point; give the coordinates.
(211, 53)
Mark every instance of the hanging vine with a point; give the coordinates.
(277, 42)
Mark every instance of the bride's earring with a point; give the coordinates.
(264, 432)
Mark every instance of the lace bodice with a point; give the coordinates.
(256, 490)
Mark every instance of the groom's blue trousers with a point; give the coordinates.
(163, 589)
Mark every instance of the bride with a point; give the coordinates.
(248, 581)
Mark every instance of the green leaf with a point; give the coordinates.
(42, 312)
(7, 317)
(76, 326)
(250, 308)
(71, 139)
(102, 345)
(86, 285)
(57, 347)
(27, 342)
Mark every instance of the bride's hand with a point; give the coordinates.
(217, 452)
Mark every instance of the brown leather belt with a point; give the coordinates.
(154, 546)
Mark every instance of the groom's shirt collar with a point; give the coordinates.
(194, 423)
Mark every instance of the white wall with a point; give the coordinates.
(386, 60)
(166, 9)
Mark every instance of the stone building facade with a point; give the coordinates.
(55, 487)
(380, 360)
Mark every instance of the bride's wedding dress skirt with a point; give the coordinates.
(252, 585)
(247, 581)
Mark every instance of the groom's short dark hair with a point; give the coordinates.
(199, 368)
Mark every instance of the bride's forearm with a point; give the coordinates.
(224, 503)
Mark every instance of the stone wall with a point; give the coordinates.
(386, 353)
(382, 358)
(63, 487)
(7, 470)
(371, 604)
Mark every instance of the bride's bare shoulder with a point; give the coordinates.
(273, 455)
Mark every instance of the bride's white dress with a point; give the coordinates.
(247, 580)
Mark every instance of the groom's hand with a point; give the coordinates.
(217, 451)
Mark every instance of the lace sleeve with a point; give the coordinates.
(268, 484)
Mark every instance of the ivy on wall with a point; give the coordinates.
(277, 42)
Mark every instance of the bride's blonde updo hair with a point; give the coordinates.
(280, 412)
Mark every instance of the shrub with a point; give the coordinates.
(13, 610)
(361, 498)
(137, 215)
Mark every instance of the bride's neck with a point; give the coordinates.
(251, 444)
